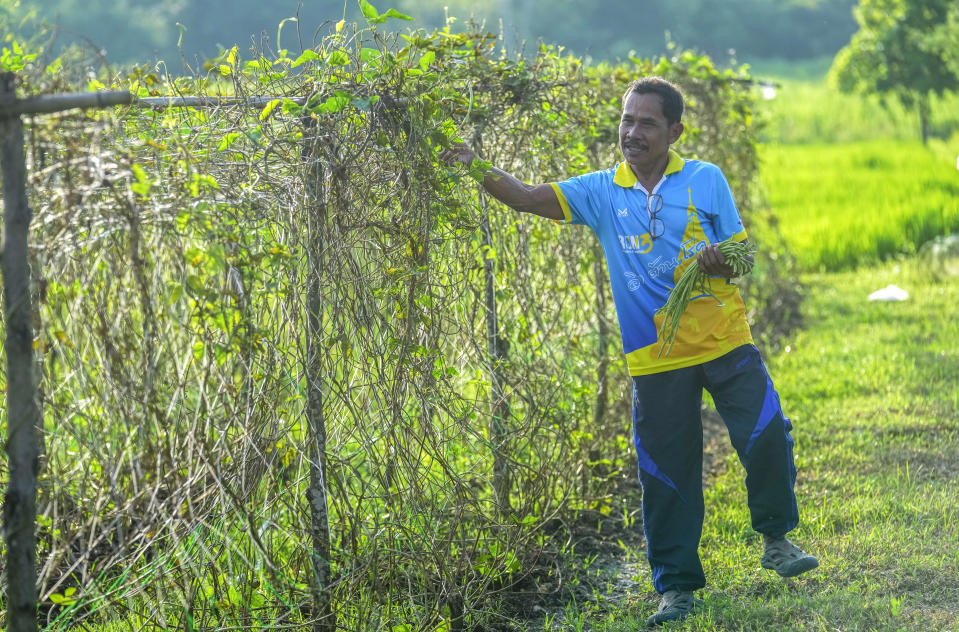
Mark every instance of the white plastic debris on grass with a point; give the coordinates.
(889, 293)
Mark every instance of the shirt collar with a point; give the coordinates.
(625, 177)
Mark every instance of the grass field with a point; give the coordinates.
(872, 390)
(847, 177)
(843, 205)
(810, 111)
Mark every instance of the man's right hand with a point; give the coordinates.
(539, 199)
(459, 152)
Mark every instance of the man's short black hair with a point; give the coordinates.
(668, 92)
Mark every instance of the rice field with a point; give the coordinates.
(840, 206)
(848, 178)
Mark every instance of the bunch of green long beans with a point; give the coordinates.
(695, 282)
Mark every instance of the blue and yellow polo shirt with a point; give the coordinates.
(698, 209)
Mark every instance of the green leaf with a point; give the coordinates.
(291, 107)
(139, 173)
(369, 11)
(216, 259)
(202, 182)
(14, 60)
(143, 183)
(365, 103)
(254, 134)
(338, 58)
(333, 104)
(305, 56)
(427, 59)
(338, 102)
(176, 293)
(193, 255)
(183, 219)
(393, 13)
(369, 54)
(227, 140)
(195, 284)
(64, 599)
(268, 109)
(255, 65)
(479, 168)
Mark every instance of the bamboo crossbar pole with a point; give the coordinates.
(51, 103)
(206, 102)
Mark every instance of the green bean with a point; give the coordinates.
(695, 282)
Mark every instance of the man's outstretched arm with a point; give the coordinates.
(538, 199)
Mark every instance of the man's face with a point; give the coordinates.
(644, 133)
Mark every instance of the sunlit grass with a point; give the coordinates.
(840, 206)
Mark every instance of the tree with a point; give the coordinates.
(945, 41)
(901, 51)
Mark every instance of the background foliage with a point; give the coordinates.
(903, 49)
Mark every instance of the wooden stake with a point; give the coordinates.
(23, 408)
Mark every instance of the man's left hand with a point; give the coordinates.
(712, 261)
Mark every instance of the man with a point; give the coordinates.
(654, 213)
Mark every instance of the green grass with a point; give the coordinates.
(840, 206)
(779, 70)
(847, 176)
(873, 393)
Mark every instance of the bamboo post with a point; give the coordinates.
(602, 370)
(496, 347)
(602, 364)
(316, 214)
(23, 409)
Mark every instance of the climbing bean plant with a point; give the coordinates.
(242, 305)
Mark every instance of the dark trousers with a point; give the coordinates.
(668, 431)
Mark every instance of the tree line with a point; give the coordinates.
(141, 31)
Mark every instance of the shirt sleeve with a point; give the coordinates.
(581, 198)
(723, 212)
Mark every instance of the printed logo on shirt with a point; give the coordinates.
(661, 266)
(636, 244)
(633, 281)
(622, 212)
(689, 249)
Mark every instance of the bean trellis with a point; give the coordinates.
(290, 368)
